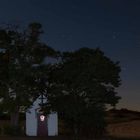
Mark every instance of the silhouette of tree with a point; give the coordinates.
(80, 87)
(21, 68)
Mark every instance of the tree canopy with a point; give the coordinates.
(21, 67)
(80, 87)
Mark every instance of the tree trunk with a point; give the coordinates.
(76, 132)
(14, 116)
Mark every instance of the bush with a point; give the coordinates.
(12, 131)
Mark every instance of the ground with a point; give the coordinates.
(124, 123)
(32, 138)
(125, 129)
(57, 138)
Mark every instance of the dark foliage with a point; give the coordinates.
(80, 86)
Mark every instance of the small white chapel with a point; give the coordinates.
(38, 124)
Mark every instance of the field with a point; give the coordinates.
(127, 129)
(124, 124)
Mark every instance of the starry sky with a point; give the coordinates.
(112, 25)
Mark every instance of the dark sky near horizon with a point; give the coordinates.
(112, 25)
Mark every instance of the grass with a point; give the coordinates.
(126, 129)
(58, 138)
(126, 138)
(32, 138)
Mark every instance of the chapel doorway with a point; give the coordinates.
(42, 129)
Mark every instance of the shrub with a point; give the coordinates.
(12, 131)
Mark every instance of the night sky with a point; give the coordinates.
(112, 25)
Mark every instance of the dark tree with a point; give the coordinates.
(22, 68)
(81, 85)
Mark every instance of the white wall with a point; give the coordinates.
(31, 119)
(31, 124)
(53, 124)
